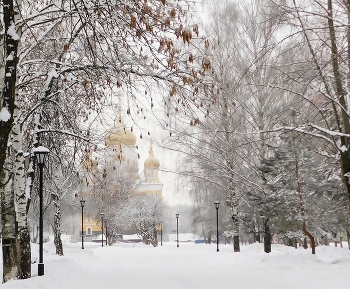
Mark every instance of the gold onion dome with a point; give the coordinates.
(121, 137)
(151, 162)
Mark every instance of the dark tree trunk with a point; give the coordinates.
(9, 88)
(312, 239)
(148, 234)
(24, 270)
(9, 235)
(305, 243)
(257, 237)
(256, 229)
(267, 236)
(343, 125)
(155, 236)
(58, 243)
(236, 245)
(9, 228)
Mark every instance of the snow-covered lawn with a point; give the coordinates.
(134, 266)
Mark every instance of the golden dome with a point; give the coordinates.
(151, 162)
(121, 137)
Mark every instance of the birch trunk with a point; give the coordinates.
(21, 198)
(57, 225)
(8, 221)
(235, 221)
(8, 216)
(11, 44)
(21, 201)
(256, 228)
(231, 188)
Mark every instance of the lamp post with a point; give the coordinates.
(216, 203)
(82, 203)
(102, 214)
(106, 229)
(161, 233)
(41, 154)
(177, 229)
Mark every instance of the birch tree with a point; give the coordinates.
(322, 27)
(110, 30)
(232, 136)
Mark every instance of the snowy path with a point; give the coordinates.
(192, 266)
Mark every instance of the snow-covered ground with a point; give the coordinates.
(191, 266)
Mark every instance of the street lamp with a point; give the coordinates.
(41, 154)
(216, 203)
(102, 214)
(106, 229)
(161, 233)
(177, 229)
(82, 203)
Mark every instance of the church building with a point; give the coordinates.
(121, 152)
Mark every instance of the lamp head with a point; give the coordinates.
(41, 154)
(102, 214)
(177, 215)
(82, 203)
(216, 203)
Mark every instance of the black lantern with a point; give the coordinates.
(106, 229)
(161, 233)
(41, 154)
(102, 214)
(177, 229)
(82, 203)
(216, 203)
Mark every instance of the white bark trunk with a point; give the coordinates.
(234, 216)
(19, 182)
(8, 220)
(57, 225)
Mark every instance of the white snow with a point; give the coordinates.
(343, 148)
(41, 149)
(53, 74)
(4, 114)
(12, 31)
(10, 57)
(191, 266)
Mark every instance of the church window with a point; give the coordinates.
(88, 231)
